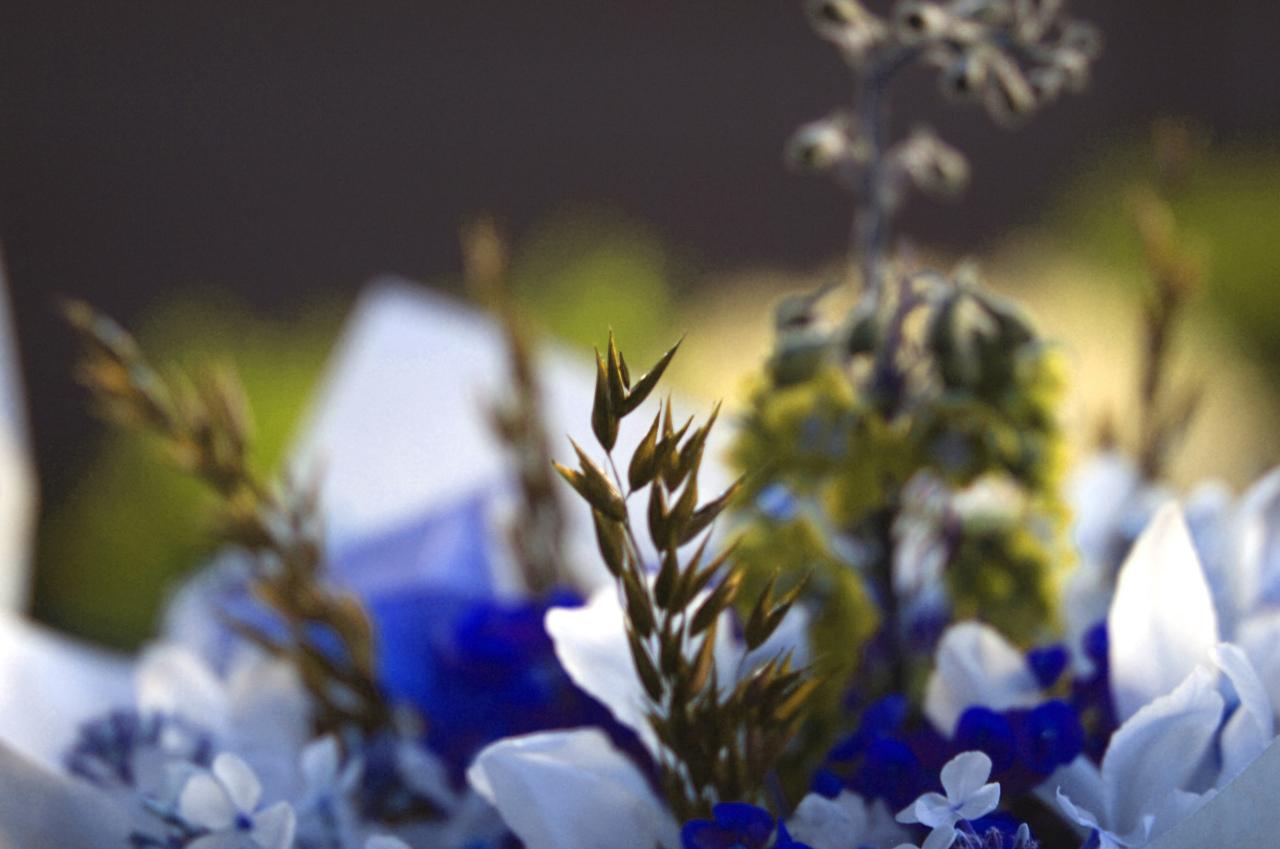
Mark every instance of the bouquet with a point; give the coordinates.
(873, 608)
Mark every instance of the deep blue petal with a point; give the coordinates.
(1047, 664)
(753, 825)
(1096, 644)
(826, 783)
(985, 730)
(700, 834)
(1053, 737)
(891, 771)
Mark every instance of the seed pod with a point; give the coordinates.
(604, 421)
(646, 384)
(818, 147)
(647, 672)
(611, 542)
(919, 22)
(847, 24)
(965, 77)
(644, 463)
(715, 604)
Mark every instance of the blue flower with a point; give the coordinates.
(114, 749)
(777, 503)
(736, 825)
(1047, 664)
(1024, 745)
(479, 669)
(1050, 736)
(982, 729)
(1091, 695)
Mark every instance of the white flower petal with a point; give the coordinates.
(822, 823)
(1081, 782)
(1256, 534)
(571, 790)
(1077, 813)
(274, 827)
(591, 643)
(940, 838)
(964, 774)
(981, 802)
(1259, 637)
(381, 841)
(1162, 623)
(319, 763)
(1158, 749)
(40, 807)
(204, 802)
(931, 809)
(1100, 490)
(242, 785)
(174, 680)
(221, 840)
(976, 666)
(1252, 726)
(70, 683)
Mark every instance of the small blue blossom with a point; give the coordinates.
(736, 825)
(1025, 745)
(118, 748)
(1048, 663)
(984, 730)
(1091, 695)
(777, 502)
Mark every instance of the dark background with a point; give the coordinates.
(279, 148)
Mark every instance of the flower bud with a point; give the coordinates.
(964, 78)
(919, 22)
(933, 166)
(862, 331)
(847, 24)
(1009, 96)
(818, 147)
(1073, 65)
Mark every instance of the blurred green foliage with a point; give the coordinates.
(1230, 204)
(586, 269)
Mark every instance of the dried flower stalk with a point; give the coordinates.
(537, 532)
(205, 427)
(721, 740)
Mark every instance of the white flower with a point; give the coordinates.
(40, 807)
(968, 797)
(382, 841)
(848, 820)
(325, 811)
(572, 790)
(1162, 624)
(259, 710)
(1140, 791)
(975, 666)
(224, 802)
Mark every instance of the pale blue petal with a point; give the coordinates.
(572, 790)
(1162, 623)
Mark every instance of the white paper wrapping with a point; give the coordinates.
(17, 478)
